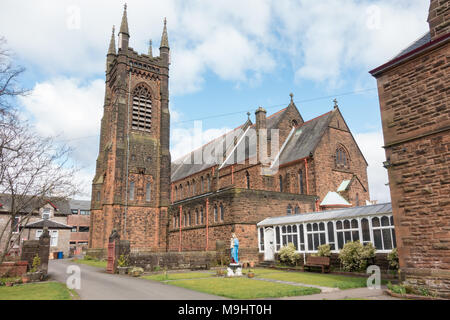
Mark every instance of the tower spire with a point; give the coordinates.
(112, 43)
(124, 35)
(150, 50)
(164, 37)
(124, 24)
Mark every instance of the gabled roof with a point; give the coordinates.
(50, 224)
(347, 213)
(80, 204)
(305, 139)
(334, 199)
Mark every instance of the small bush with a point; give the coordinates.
(393, 259)
(122, 261)
(288, 255)
(398, 289)
(88, 257)
(355, 256)
(324, 251)
(36, 263)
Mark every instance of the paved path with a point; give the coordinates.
(324, 289)
(359, 293)
(96, 284)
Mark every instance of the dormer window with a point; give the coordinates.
(46, 213)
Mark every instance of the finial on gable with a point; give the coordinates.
(292, 96)
(150, 50)
(335, 103)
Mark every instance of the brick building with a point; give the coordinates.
(414, 101)
(80, 221)
(278, 165)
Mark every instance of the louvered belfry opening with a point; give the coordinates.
(142, 109)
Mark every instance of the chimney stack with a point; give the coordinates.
(439, 18)
(260, 118)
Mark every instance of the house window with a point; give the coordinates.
(74, 229)
(289, 235)
(53, 238)
(215, 214)
(289, 210)
(302, 237)
(85, 212)
(142, 109)
(300, 181)
(197, 218)
(277, 238)
(365, 230)
(247, 176)
(46, 213)
(74, 211)
(383, 233)
(261, 239)
(331, 240)
(221, 212)
(83, 229)
(316, 235)
(148, 190)
(132, 190)
(347, 231)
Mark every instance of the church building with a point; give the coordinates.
(278, 165)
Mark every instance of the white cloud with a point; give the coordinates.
(71, 111)
(371, 146)
(236, 40)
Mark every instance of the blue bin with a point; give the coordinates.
(60, 255)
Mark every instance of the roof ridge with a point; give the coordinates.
(322, 115)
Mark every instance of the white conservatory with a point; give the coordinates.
(308, 231)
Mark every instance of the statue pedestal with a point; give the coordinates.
(234, 270)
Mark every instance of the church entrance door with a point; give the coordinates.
(269, 247)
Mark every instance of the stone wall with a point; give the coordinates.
(13, 269)
(415, 112)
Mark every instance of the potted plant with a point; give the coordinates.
(122, 264)
(250, 274)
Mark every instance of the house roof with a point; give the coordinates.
(80, 204)
(50, 224)
(334, 199)
(347, 213)
(426, 38)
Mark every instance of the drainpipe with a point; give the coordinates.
(207, 224)
(181, 209)
(306, 169)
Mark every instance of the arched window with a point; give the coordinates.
(131, 190)
(289, 210)
(193, 187)
(341, 157)
(221, 212)
(202, 185)
(197, 217)
(188, 189)
(176, 193)
(201, 215)
(300, 181)
(208, 178)
(297, 210)
(215, 214)
(247, 177)
(142, 109)
(148, 192)
(189, 219)
(280, 178)
(181, 192)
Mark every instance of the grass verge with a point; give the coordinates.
(178, 276)
(38, 291)
(92, 263)
(244, 288)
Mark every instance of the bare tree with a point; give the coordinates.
(33, 170)
(9, 79)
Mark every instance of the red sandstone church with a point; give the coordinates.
(191, 205)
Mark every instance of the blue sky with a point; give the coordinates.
(227, 57)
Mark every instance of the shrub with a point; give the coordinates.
(88, 257)
(36, 263)
(288, 255)
(355, 256)
(122, 261)
(393, 259)
(324, 251)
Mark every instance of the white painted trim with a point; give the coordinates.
(234, 148)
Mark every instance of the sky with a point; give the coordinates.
(227, 59)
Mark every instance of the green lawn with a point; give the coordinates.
(179, 276)
(92, 263)
(243, 288)
(324, 280)
(37, 291)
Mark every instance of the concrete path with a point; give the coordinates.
(96, 284)
(324, 289)
(359, 293)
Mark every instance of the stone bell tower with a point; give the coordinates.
(130, 190)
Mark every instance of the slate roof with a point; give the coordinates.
(46, 223)
(426, 38)
(299, 146)
(305, 139)
(347, 213)
(80, 204)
